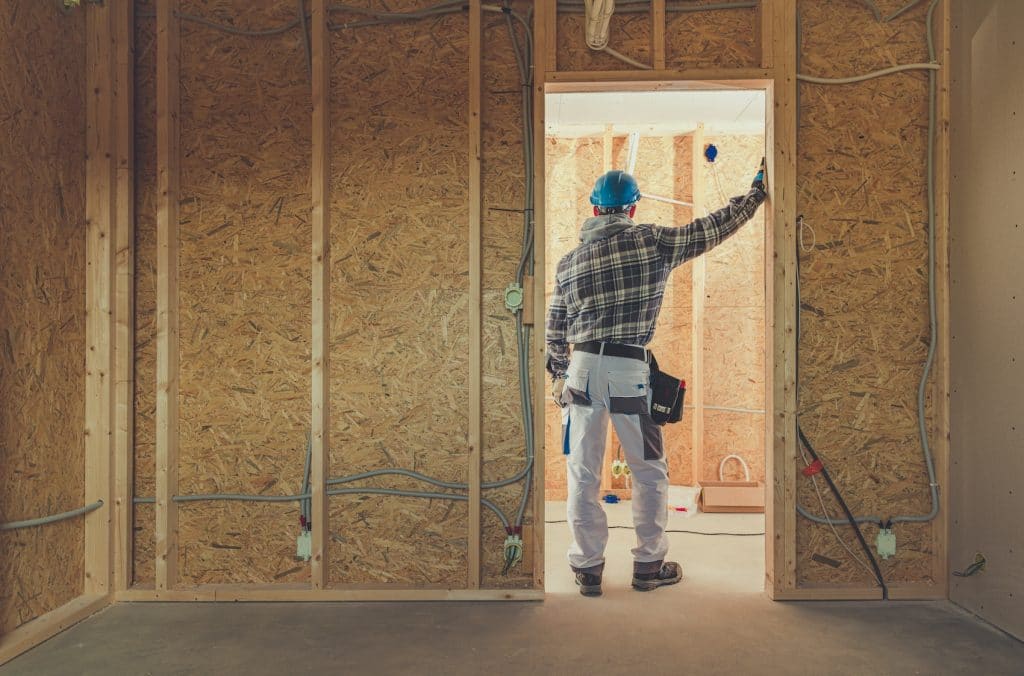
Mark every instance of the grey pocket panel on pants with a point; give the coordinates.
(628, 405)
(653, 448)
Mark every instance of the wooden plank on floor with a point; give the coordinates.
(99, 297)
(475, 293)
(46, 626)
(124, 242)
(168, 59)
(321, 379)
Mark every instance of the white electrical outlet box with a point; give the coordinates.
(304, 546)
(885, 543)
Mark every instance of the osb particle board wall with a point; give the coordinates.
(399, 287)
(734, 289)
(42, 306)
(862, 188)
(861, 182)
(145, 292)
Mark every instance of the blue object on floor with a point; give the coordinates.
(611, 498)
(711, 152)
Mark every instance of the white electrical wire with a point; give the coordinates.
(666, 200)
(867, 76)
(733, 456)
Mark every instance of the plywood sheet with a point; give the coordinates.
(400, 293)
(715, 39)
(244, 291)
(42, 306)
(861, 181)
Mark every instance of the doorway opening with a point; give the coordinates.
(690, 150)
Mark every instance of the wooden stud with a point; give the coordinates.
(99, 297)
(780, 340)
(544, 33)
(658, 25)
(475, 293)
(941, 386)
(546, 26)
(167, 107)
(50, 624)
(321, 262)
(124, 242)
(698, 267)
(528, 307)
(764, 32)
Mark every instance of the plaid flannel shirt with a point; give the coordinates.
(610, 289)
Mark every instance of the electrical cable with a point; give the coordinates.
(240, 497)
(867, 76)
(52, 518)
(821, 501)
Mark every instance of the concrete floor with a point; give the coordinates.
(716, 621)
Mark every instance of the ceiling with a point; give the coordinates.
(664, 113)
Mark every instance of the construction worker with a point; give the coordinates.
(607, 295)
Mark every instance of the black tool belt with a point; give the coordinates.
(612, 349)
(667, 394)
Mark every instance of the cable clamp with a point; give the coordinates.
(815, 467)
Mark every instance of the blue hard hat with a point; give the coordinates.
(615, 189)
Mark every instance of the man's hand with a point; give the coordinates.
(557, 389)
(759, 178)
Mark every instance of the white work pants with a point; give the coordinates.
(599, 387)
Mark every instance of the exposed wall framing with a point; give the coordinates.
(234, 194)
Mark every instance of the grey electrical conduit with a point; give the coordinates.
(245, 497)
(52, 518)
(525, 66)
(932, 311)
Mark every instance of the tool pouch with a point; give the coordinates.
(667, 394)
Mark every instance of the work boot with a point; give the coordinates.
(589, 584)
(668, 573)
